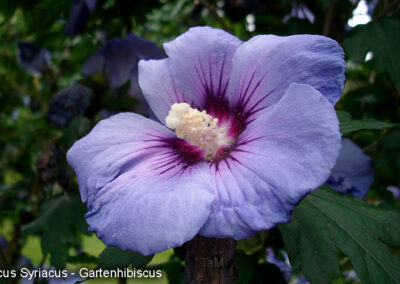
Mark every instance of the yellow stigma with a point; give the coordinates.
(198, 128)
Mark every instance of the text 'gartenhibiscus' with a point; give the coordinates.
(248, 129)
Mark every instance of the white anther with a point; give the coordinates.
(198, 128)
(174, 117)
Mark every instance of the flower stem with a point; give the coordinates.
(210, 260)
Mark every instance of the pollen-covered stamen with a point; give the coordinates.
(198, 128)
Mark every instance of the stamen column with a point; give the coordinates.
(211, 260)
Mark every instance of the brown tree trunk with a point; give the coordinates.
(210, 261)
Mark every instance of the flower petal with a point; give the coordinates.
(280, 157)
(32, 58)
(158, 86)
(200, 62)
(395, 191)
(264, 67)
(150, 213)
(135, 92)
(353, 172)
(78, 16)
(119, 57)
(112, 143)
(139, 197)
(91, 4)
(68, 103)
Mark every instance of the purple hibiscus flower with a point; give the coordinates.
(118, 60)
(32, 58)
(78, 16)
(395, 191)
(249, 130)
(68, 103)
(353, 172)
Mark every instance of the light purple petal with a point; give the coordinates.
(300, 11)
(150, 213)
(280, 157)
(159, 89)
(395, 191)
(283, 265)
(266, 65)
(353, 172)
(108, 147)
(196, 72)
(139, 196)
(200, 63)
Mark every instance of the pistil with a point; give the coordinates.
(198, 128)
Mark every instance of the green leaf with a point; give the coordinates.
(83, 258)
(325, 221)
(388, 160)
(246, 265)
(383, 39)
(254, 243)
(78, 127)
(45, 13)
(57, 224)
(112, 258)
(348, 125)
